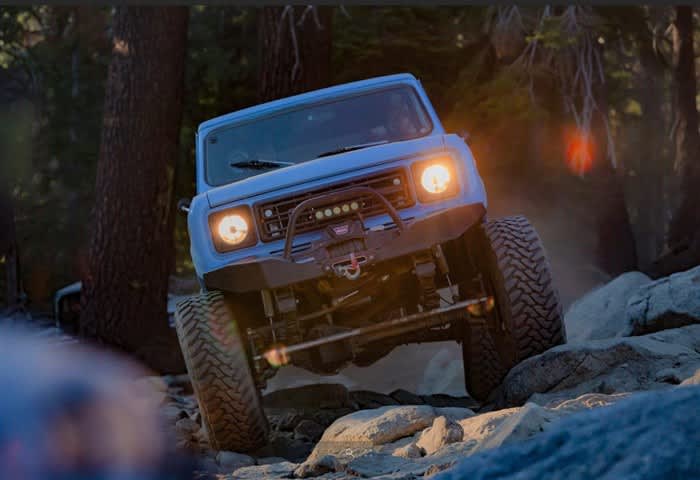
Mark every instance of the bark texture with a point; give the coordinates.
(650, 163)
(125, 286)
(616, 251)
(684, 229)
(295, 50)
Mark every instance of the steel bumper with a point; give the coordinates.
(274, 272)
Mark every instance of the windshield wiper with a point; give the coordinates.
(350, 148)
(260, 164)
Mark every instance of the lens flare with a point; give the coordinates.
(580, 151)
(277, 356)
(435, 178)
(233, 229)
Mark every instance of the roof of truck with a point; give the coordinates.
(308, 97)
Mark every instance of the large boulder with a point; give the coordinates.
(600, 314)
(442, 432)
(513, 425)
(379, 426)
(423, 451)
(648, 436)
(271, 471)
(692, 380)
(670, 302)
(318, 395)
(604, 366)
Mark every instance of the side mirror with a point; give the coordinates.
(183, 205)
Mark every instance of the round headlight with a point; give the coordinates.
(435, 178)
(233, 229)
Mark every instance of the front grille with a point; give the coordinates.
(392, 184)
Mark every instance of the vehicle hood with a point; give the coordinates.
(321, 168)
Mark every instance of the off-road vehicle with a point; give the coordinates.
(330, 227)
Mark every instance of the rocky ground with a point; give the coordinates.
(629, 336)
(620, 400)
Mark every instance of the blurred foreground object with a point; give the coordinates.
(619, 441)
(78, 414)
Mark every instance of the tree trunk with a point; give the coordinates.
(125, 286)
(651, 161)
(615, 251)
(8, 249)
(295, 55)
(684, 230)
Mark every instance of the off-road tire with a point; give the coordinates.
(220, 373)
(483, 370)
(527, 318)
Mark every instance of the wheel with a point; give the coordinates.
(526, 318)
(220, 373)
(483, 370)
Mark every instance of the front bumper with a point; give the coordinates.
(275, 272)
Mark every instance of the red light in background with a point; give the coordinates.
(580, 151)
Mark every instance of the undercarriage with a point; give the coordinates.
(323, 325)
(374, 289)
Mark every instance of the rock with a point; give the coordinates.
(362, 432)
(454, 413)
(521, 425)
(308, 430)
(380, 425)
(692, 380)
(646, 436)
(173, 412)
(271, 471)
(365, 399)
(668, 375)
(208, 465)
(187, 426)
(602, 366)
(158, 384)
(180, 383)
(600, 314)
(410, 450)
(271, 460)
(442, 432)
(319, 466)
(232, 461)
(443, 400)
(433, 449)
(285, 419)
(478, 429)
(404, 397)
(327, 416)
(283, 444)
(437, 468)
(584, 402)
(669, 302)
(374, 464)
(319, 395)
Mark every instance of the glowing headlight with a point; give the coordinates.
(435, 178)
(233, 229)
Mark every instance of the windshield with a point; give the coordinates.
(320, 130)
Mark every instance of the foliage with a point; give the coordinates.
(471, 60)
